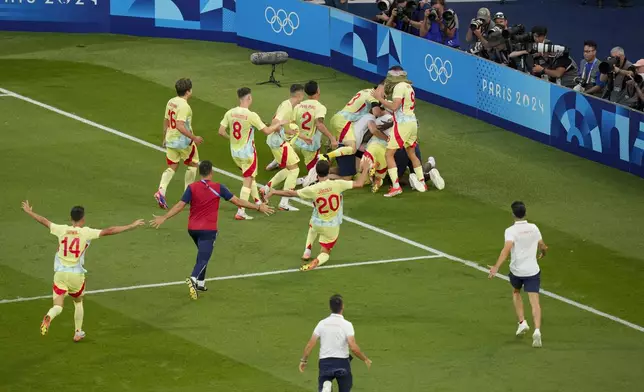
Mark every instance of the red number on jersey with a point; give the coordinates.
(73, 248)
(173, 122)
(354, 100)
(333, 202)
(307, 119)
(237, 127)
(413, 101)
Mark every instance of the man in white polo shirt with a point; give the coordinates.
(336, 338)
(522, 240)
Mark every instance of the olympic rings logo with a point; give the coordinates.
(438, 69)
(280, 20)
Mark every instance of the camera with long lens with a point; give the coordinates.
(514, 31)
(607, 66)
(449, 18)
(476, 24)
(638, 79)
(433, 14)
(557, 50)
(407, 10)
(383, 5)
(580, 84)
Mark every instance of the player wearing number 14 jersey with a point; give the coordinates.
(243, 123)
(69, 270)
(327, 210)
(179, 141)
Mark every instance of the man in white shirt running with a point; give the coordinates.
(522, 240)
(336, 338)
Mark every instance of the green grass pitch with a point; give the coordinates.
(427, 323)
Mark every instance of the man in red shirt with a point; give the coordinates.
(203, 197)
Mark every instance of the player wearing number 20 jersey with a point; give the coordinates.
(69, 270)
(327, 210)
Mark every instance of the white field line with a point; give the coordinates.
(229, 277)
(347, 218)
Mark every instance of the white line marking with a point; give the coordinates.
(230, 277)
(5, 95)
(355, 221)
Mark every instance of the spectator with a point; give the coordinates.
(477, 32)
(561, 69)
(339, 4)
(617, 77)
(589, 75)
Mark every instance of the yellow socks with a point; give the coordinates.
(166, 177)
(54, 311)
(322, 258)
(310, 237)
(393, 175)
(79, 312)
(191, 174)
(419, 173)
(342, 151)
(254, 192)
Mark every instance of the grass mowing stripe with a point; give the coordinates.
(229, 277)
(355, 221)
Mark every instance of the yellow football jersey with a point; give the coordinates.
(305, 115)
(72, 244)
(242, 124)
(405, 92)
(284, 113)
(177, 109)
(327, 201)
(359, 105)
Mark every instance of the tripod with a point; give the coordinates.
(272, 79)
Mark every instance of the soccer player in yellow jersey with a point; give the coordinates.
(309, 118)
(327, 210)
(243, 124)
(342, 123)
(69, 271)
(178, 139)
(405, 132)
(282, 149)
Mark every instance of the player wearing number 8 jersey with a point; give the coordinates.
(179, 140)
(243, 123)
(69, 270)
(327, 210)
(405, 132)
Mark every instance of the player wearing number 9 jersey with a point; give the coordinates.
(405, 132)
(179, 140)
(327, 210)
(69, 270)
(243, 123)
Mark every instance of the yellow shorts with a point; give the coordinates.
(247, 166)
(310, 157)
(342, 129)
(403, 135)
(285, 155)
(328, 235)
(69, 283)
(187, 155)
(376, 154)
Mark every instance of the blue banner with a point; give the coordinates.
(65, 15)
(440, 70)
(289, 24)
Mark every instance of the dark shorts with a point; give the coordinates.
(346, 165)
(403, 162)
(338, 369)
(530, 284)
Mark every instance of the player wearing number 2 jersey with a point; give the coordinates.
(179, 140)
(405, 132)
(308, 116)
(327, 210)
(69, 270)
(243, 123)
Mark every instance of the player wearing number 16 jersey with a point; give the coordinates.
(69, 270)
(327, 210)
(243, 123)
(179, 140)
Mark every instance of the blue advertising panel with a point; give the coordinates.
(361, 47)
(287, 24)
(513, 96)
(57, 15)
(200, 19)
(598, 130)
(440, 70)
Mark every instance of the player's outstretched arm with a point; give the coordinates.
(264, 208)
(364, 172)
(356, 350)
(120, 229)
(285, 193)
(307, 351)
(158, 220)
(505, 253)
(319, 124)
(274, 127)
(40, 219)
(223, 133)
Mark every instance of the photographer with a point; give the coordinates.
(498, 46)
(561, 68)
(397, 14)
(589, 76)
(616, 71)
(477, 33)
(439, 25)
(635, 86)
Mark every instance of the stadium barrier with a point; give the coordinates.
(585, 126)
